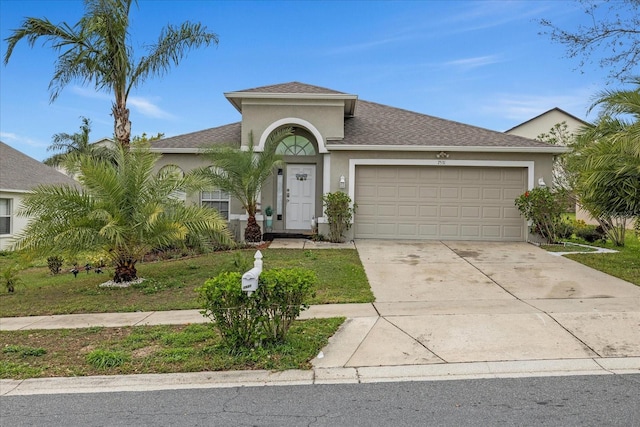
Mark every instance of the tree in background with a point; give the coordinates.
(613, 31)
(242, 173)
(97, 50)
(606, 161)
(559, 135)
(123, 210)
(74, 145)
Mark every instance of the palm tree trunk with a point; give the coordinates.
(125, 271)
(252, 233)
(122, 125)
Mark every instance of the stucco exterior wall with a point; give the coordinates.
(326, 116)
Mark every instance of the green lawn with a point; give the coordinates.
(170, 284)
(152, 349)
(625, 264)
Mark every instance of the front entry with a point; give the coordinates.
(301, 196)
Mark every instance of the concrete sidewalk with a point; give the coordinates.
(443, 310)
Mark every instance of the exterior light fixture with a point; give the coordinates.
(442, 155)
(541, 182)
(343, 182)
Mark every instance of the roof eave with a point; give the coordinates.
(471, 149)
(235, 98)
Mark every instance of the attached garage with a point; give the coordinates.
(439, 202)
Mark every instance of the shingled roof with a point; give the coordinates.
(371, 125)
(227, 134)
(19, 172)
(377, 124)
(291, 87)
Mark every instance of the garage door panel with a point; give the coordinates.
(427, 193)
(430, 202)
(492, 194)
(407, 191)
(471, 193)
(471, 212)
(470, 231)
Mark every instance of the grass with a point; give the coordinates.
(170, 284)
(151, 349)
(625, 264)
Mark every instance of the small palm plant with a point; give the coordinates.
(11, 279)
(123, 210)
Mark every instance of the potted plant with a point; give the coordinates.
(269, 214)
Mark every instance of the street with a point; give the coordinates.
(562, 401)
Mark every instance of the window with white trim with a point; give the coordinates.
(216, 199)
(296, 145)
(5, 216)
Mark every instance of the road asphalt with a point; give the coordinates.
(443, 311)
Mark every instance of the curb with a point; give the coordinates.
(341, 375)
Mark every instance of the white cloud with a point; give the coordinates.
(521, 107)
(16, 139)
(474, 62)
(86, 92)
(148, 108)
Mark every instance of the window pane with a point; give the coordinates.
(4, 207)
(5, 225)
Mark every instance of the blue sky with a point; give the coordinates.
(477, 62)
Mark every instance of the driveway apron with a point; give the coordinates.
(448, 302)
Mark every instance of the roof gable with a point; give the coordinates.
(291, 87)
(20, 172)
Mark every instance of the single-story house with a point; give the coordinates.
(412, 176)
(19, 174)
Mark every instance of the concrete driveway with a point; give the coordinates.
(451, 302)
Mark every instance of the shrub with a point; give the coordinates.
(282, 294)
(565, 230)
(590, 233)
(264, 317)
(339, 214)
(54, 263)
(544, 208)
(10, 278)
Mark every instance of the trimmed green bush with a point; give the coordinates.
(263, 318)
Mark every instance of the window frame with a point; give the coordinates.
(215, 202)
(7, 217)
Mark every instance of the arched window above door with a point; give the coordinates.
(296, 145)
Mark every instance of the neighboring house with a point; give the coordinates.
(544, 122)
(412, 176)
(19, 174)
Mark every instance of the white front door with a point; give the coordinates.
(300, 196)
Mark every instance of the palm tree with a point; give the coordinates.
(242, 173)
(606, 161)
(124, 210)
(96, 50)
(73, 145)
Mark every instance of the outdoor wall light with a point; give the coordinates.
(541, 182)
(343, 182)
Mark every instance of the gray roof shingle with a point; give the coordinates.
(377, 124)
(20, 172)
(292, 87)
(227, 134)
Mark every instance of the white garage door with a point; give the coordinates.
(446, 202)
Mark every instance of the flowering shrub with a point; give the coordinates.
(544, 208)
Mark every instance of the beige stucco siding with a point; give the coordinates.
(325, 116)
